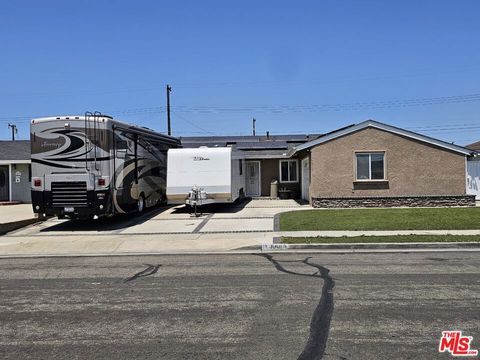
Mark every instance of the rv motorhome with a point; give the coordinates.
(90, 165)
(203, 175)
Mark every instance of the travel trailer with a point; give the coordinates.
(203, 175)
(93, 165)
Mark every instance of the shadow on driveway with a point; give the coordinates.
(214, 208)
(117, 222)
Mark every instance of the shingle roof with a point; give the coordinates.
(474, 146)
(260, 145)
(15, 150)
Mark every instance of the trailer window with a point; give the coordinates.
(240, 166)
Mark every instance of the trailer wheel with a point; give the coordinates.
(140, 204)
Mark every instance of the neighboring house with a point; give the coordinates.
(15, 174)
(473, 171)
(375, 164)
(266, 159)
(475, 146)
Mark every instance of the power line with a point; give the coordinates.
(287, 109)
(204, 131)
(311, 107)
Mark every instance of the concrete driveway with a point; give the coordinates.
(254, 216)
(163, 230)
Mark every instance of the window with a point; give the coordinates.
(240, 164)
(370, 166)
(121, 147)
(124, 146)
(288, 171)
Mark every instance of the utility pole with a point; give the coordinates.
(14, 130)
(169, 126)
(253, 123)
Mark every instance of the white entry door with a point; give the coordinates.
(305, 179)
(253, 178)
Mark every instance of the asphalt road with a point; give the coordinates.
(350, 306)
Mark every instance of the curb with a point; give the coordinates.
(6, 203)
(282, 248)
(14, 225)
(377, 246)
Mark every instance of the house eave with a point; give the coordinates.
(283, 156)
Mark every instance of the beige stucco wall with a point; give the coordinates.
(412, 167)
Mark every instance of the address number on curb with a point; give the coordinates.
(268, 247)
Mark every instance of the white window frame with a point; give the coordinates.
(288, 167)
(369, 153)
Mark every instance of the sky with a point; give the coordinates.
(294, 66)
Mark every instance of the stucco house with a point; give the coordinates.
(367, 164)
(15, 171)
(375, 164)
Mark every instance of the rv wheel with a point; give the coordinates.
(140, 204)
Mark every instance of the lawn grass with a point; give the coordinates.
(382, 219)
(381, 239)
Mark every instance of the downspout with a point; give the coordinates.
(10, 182)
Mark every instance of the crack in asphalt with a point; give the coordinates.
(320, 324)
(150, 270)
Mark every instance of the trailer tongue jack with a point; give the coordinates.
(197, 197)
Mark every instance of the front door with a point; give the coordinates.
(253, 178)
(4, 184)
(305, 179)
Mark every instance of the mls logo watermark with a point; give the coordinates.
(456, 344)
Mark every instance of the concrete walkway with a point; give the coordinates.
(124, 244)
